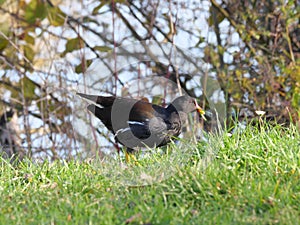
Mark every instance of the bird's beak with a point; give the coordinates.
(200, 111)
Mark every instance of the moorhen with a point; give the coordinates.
(138, 123)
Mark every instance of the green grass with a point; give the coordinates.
(254, 178)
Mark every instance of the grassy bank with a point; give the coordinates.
(254, 178)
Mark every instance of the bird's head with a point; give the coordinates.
(188, 104)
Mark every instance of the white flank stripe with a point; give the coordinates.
(122, 130)
(135, 123)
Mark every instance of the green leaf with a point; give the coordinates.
(97, 8)
(215, 16)
(29, 53)
(201, 40)
(36, 9)
(28, 87)
(296, 100)
(3, 43)
(80, 68)
(87, 19)
(102, 48)
(56, 17)
(158, 100)
(29, 39)
(4, 28)
(73, 44)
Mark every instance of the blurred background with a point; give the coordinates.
(238, 58)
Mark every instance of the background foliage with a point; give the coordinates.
(46, 47)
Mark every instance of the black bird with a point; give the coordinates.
(138, 123)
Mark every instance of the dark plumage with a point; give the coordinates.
(138, 123)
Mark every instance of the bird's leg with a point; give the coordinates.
(118, 148)
(127, 158)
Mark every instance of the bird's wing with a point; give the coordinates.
(133, 135)
(139, 134)
(146, 126)
(157, 125)
(141, 111)
(138, 129)
(149, 118)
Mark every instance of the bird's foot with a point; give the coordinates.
(131, 159)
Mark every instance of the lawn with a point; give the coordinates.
(252, 178)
